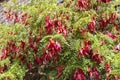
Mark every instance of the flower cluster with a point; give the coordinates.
(86, 49)
(94, 74)
(11, 48)
(32, 43)
(17, 17)
(113, 17)
(91, 73)
(104, 22)
(97, 58)
(51, 51)
(88, 52)
(83, 4)
(91, 26)
(55, 25)
(49, 25)
(79, 75)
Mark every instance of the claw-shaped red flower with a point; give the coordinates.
(49, 25)
(59, 70)
(113, 36)
(82, 4)
(79, 75)
(117, 47)
(91, 26)
(86, 49)
(107, 67)
(105, 1)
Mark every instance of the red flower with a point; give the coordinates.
(113, 17)
(48, 56)
(117, 26)
(93, 73)
(22, 58)
(7, 78)
(35, 48)
(113, 36)
(103, 23)
(11, 48)
(30, 42)
(80, 53)
(3, 68)
(107, 67)
(4, 54)
(55, 46)
(49, 25)
(22, 45)
(96, 7)
(91, 26)
(58, 46)
(59, 23)
(96, 73)
(41, 59)
(17, 49)
(55, 25)
(59, 70)
(82, 4)
(30, 66)
(86, 49)
(38, 39)
(8, 15)
(113, 76)
(67, 17)
(102, 42)
(37, 60)
(62, 29)
(97, 58)
(50, 52)
(16, 20)
(79, 75)
(105, 1)
(50, 44)
(82, 31)
(117, 47)
(23, 18)
(87, 43)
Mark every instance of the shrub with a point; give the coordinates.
(73, 40)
